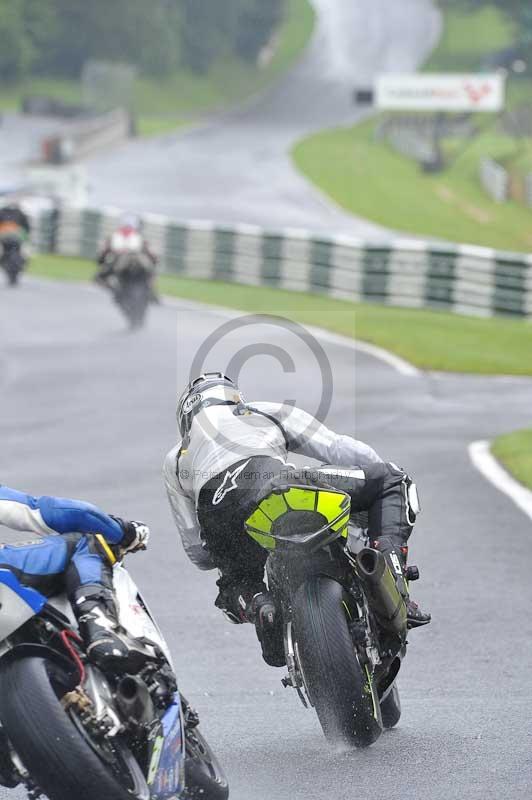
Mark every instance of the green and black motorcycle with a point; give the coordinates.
(342, 631)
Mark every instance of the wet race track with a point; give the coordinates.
(236, 168)
(87, 410)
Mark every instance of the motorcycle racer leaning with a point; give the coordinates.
(126, 241)
(76, 561)
(14, 224)
(228, 456)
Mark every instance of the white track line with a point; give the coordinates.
(490, 468)
(397, 363)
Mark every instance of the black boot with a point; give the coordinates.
(396, 557)
(250, 601)
(106, 645)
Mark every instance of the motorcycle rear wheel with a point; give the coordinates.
(134, 299)
(61, 758)
(338, 686)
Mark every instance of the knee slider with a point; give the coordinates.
(413, 505)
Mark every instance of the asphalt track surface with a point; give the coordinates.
(87, 410)
(236, 168)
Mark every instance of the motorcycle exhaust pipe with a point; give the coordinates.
(381, 589)
(134, 699)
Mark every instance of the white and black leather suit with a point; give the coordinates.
(215, 478)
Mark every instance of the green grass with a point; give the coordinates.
(514, 450)
(468, 37)
(370, 179)
(62, 268)
(65, 90)
(159, 103)
(429, 339)
(158, 125)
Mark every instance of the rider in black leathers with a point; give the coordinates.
(230, 453)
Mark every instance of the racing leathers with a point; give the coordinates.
(71, 557)
(216, 477)
(14, 228)
(126, 243)
(13, 220)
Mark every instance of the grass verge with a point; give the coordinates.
(429, 339)
(163, 104)
(514, 450)
(368, 178)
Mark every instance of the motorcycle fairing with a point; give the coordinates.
(18, 603)
(169, 778)
(133, 613)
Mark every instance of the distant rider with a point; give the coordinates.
(126, 241)
(76, 561)
(219, 471)
(14, 224)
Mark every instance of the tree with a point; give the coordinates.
(212, 28)
(518, 11)
(16, 49)
(257, 21)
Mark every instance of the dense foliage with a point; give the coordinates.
(518, 11)
(56, 37)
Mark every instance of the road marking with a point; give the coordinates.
(397, 363)
(492, 470)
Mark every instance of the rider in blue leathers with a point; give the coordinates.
(76, 561)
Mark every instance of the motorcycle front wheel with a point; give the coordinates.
(56, 749)
(339, 687)
(204, 777)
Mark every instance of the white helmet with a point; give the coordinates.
(209, 389)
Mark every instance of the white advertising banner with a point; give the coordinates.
(435, 92)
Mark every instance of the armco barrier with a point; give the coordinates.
(495, 179)
(463, 279)
(86, 136)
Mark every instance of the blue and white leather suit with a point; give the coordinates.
(68, 560)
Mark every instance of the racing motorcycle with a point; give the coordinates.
(133, 288)
(12, 258)
(342, 628)
(70, 731)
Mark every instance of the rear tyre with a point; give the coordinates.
(61, 758)
(135, 299)
(204, 777)
(338, 686)
(391, 708)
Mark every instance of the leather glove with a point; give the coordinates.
(136, 536)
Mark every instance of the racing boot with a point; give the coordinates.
(396, 558)
(250, 601)
(106, 644)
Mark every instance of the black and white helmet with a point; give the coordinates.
(209, 389)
